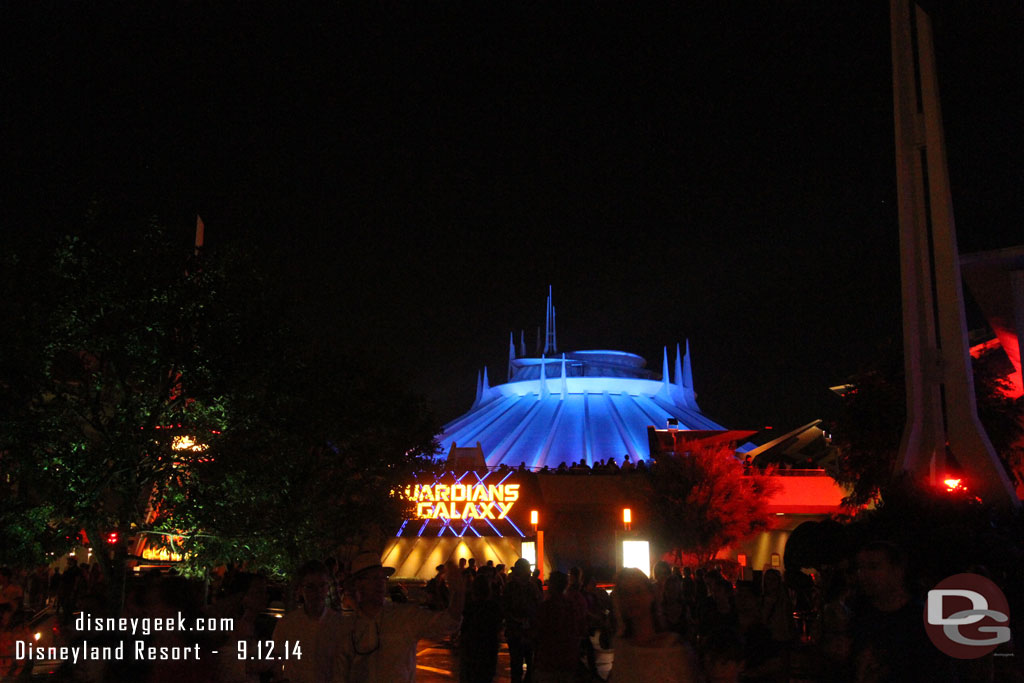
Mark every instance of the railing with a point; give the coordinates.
(799, 473)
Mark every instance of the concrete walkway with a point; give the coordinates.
(436, 662)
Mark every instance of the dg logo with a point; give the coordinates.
(963, 616)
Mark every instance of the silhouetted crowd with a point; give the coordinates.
(627, 466)
(858, 622)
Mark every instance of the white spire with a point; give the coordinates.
(666, 388)
(485, 387)
(511, 354)
(678, 376)
(550, 337)
(687, 368)
(479, 390)
(554, 332)
(522, 343)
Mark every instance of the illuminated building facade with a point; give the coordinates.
(556, 409)
(582, 405)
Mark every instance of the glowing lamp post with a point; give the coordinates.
(535, 522)
(632, 551)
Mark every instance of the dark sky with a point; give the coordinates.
(425, 170)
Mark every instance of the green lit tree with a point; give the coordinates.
(92, 382)
(704, 501)
(313, 457)
(124, 347)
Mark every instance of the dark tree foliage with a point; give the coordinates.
(704, 501)
(1002, 416)
(874, 414)
(869, 429)
(124, 345)
(105, 334)
(311, 457)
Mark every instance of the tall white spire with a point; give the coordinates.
(511, 354)
(687, 368)
(665, 393)
(678, 376)
(550, 337)
(554, 333)
(479, 390)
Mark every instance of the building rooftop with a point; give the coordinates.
(564, 407)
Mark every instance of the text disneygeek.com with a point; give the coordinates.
(146, 625)
(124, 627)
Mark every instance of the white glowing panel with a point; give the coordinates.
(637, 555)
(529, 551)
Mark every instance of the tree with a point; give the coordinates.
(705, 500)
(874, 414)
(869, 428)
(311, 458)
(125, 347)
(91, 374)
(1001, 414)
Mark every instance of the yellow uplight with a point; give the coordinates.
(187, 443)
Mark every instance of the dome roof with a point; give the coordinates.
(589, 405)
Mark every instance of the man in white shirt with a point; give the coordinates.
(377, 644)
(303, 639)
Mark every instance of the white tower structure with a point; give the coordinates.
(941, 410)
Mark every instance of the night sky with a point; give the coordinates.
(719, 171)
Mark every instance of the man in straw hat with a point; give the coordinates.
(378, 642)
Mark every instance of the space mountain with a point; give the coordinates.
(581, 405)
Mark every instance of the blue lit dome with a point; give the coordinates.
(564, 407)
